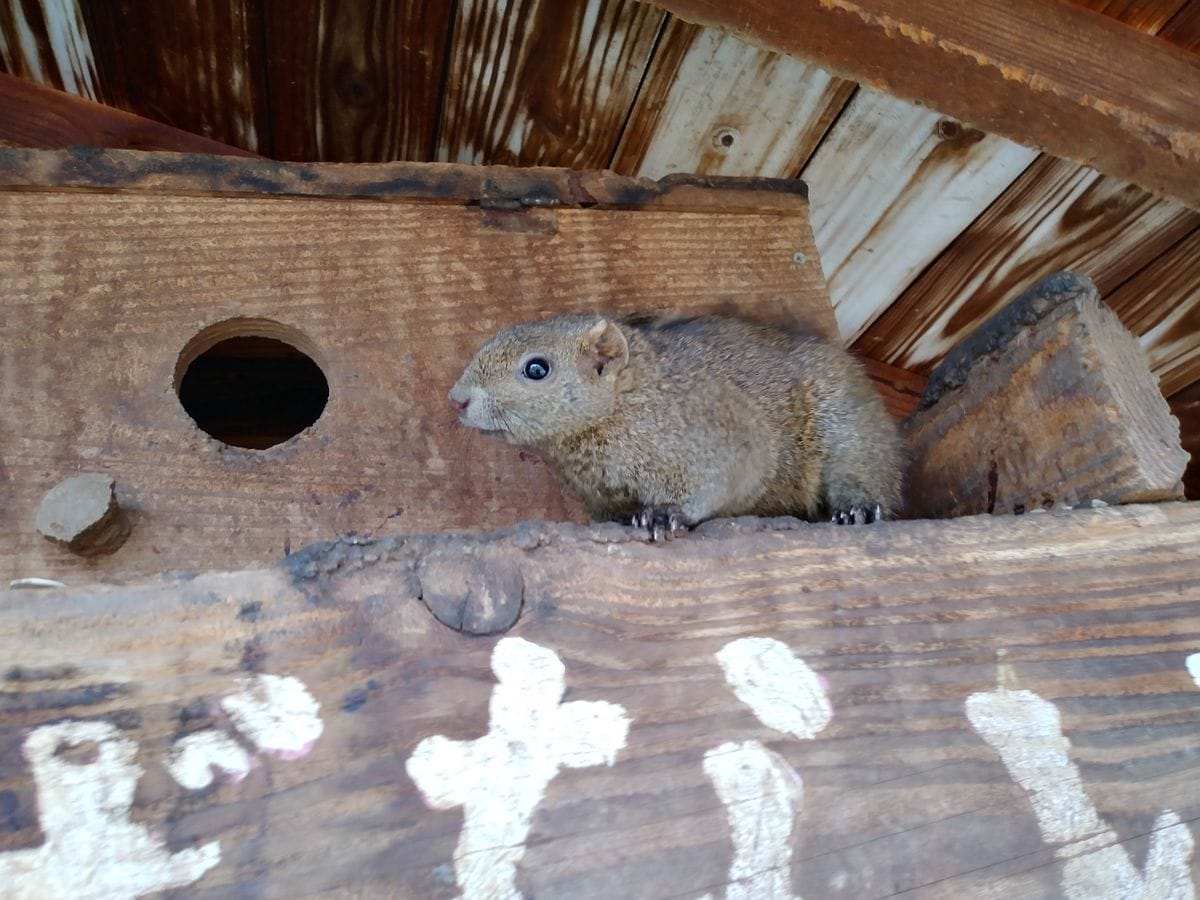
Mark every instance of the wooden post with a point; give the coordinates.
(1049, 401)
(975, 707)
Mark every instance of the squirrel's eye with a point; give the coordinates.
(536, 369)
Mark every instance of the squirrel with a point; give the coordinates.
(665, 421)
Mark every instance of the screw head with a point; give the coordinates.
(798, 258)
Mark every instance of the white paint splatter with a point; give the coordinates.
(761, 794)
(500, 778)
(277, 713)
(92, 849)
(783, 691)
(1193, 667)
(194, 756)
(1026, 731)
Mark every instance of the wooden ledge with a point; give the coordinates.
(494, 187)
(871, 696)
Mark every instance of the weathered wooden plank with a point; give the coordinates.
(1184, 29)
(892, 185)
(713, 104)
(1055, 216)
(901, 389)
(48, 43)
(912, 650)
(355, 82)
(1185, 406)
(1144, 15)
(543, 82)
(1161, 304)
(1049, 401)
(36, 116)
(199, 68)
(390, 298)
(1003, 69)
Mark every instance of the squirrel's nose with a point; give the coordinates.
(460, 406)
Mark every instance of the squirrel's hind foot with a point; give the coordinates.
(857, 515)
(661, 522)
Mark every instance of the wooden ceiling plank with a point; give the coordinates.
(543, 82)
(1184, 28)
(1055, 216)
(891, 186)
(39, 117)
(1144, 15)
(1035, 72)
(713, 104)
(355, 82)
(47, 42)
(1161, 304)
(198, 67)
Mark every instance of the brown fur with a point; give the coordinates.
(713, 416)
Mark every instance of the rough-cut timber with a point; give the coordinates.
(389, 277)
(1002, 68)
(276, 733)
(1050, 401)
(36, 116)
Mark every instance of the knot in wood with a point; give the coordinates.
(82, 514)
(473, 594)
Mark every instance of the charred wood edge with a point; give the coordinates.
(1036, 305)
(488, 187)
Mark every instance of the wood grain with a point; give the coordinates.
(543, 82)
(48, 43)
(36, 116)
(1095, 611)
(901, 389)
(713, 104)
(1003, 69)
(1184, 29)
(393, 298)
(200, 68)
(1161, 304)
(355, 82)
(1056, 216)
(1144, 15)
(892, 185)
(1050, 401)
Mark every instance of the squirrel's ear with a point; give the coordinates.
(605, 350)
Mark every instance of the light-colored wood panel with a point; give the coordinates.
(543, 82)
(891, 186)
(1056, 216)
(47, 42)
(881, 640)
(714, 104)
(1036, 72)
(355, 82)
(103, 291)
(1161, 304)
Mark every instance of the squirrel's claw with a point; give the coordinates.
(857, 515)
(660, 521)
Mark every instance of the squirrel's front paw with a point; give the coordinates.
(857, 515)
(660, 521)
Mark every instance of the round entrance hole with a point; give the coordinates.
(251, 383)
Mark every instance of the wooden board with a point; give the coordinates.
(543, 82)
(1035, 72)
(913, 664)
(1185, 406)
(892, 185)
(1056, 216)
(36, 116)
(355, 82)
(201, 68)
(713, 104)
(103, 291)
(49, 44)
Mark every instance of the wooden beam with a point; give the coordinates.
(1037, 72)
(41, 117)
(1185, 406)
(1050, 401)
(991, 706)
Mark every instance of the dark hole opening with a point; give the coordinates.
(253, 392)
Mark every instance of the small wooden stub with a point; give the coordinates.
(82, 515)
(1050, 401)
